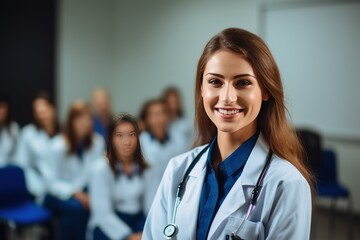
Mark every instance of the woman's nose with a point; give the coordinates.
(228, 94)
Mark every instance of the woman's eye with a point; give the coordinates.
(132, 134)
(119, 135)
(243, 83)
(215, 82)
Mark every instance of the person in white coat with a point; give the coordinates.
(33, 143)
(71, 158)
(9, 131)
(117, 186)
(158, 145)
(179, 123)
(247, 180)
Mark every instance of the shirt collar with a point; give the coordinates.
(135, 170)
(237, 160)
(163, 141)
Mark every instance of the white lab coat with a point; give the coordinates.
(157, 155)
(283, 209)
(109, 194)
(8, 142)
(66, 174)
(32, 145)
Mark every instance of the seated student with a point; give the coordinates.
(8, 132)
(117, 186)
(159, 145)
(179, 124)
(72, 156)
(101, 105)
(33, 143)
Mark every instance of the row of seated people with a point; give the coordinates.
(96, 189)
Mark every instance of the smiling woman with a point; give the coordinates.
(251, 155)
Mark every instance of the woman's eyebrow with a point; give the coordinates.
(236, 76)
(124, 132)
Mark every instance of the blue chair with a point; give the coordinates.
(328, 186)
(16, 206)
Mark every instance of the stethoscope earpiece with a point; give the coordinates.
(170, 231)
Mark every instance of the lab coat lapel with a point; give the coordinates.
(236, 197)
(189, 207)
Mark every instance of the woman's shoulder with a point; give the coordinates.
(98, 140)
(182, 161)
(58, 143)
(29, 130)
(14, 127)
(284, 171)
(102, 169)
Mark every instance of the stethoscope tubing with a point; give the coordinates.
(179, 192)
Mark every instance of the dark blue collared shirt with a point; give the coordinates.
(215, 189)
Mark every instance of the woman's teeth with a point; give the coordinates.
(228, 112)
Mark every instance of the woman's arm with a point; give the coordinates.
(291, 213)
(102, 208)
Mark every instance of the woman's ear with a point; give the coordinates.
(265, 96)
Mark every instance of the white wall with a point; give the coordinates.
(136, 48)
(85, 49)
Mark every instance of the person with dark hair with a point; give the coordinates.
(158, 145)
(247, 179)
(179, 124)
(117, 186)
(33, 143)
(101, 106)
(9, 131)
(71, 156)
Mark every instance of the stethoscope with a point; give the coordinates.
(172, 229)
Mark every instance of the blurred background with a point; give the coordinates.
(135, 49)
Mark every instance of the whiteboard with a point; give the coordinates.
(317, 48)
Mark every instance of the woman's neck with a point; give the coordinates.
(126, 163)
(229, 142)
(49, 129)
(159, 134)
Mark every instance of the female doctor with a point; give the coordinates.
(248, 181)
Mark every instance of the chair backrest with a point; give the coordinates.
(312, 144)
(328, 172)
(13, 189)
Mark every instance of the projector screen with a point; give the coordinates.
(317, 48)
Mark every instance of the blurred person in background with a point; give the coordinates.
(158, 145)
(179, 124)
(33, 143)
(101, 105)
(72, 156)
(117, 186)
(9, 131)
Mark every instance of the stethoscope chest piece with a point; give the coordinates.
(170, 231)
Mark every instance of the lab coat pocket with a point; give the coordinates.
(249, 231)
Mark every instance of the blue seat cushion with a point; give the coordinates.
(26, 214)
(332, 190)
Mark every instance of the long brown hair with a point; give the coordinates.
(110, 149)
(77, 108)
(272, 120)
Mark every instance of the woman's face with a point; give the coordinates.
(231, 94)
(3, 112)
(125, 141)
(173, 103)
(82, 125)
(157, 117)
(44, 113)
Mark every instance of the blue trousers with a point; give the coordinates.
(135, 221)
(72, 216)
